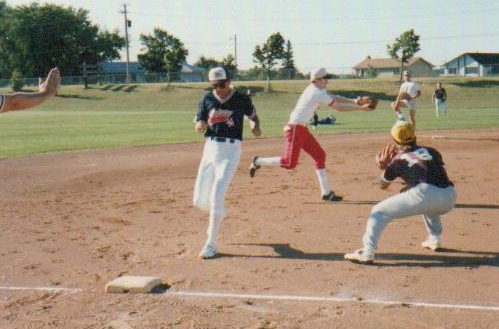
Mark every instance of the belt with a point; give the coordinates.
(222, 139)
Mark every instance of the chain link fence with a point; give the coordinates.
(202, 76)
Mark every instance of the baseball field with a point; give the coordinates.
(97, 184)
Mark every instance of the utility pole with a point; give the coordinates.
(127, 25)
(235, 50)
(235, 54)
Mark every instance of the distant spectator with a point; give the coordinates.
(439, 98)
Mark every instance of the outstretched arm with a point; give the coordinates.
(22, 100)
(344, 104)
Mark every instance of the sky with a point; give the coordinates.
(334, 34)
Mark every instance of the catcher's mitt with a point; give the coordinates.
(373, 102)
(385, 156)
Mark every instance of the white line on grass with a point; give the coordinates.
(329, 299)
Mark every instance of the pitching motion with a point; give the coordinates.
(409, 91)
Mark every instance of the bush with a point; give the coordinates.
(371, 72)
(17, 81)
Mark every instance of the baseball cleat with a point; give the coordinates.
(207, 252)
(253, 167)
(360, 257)
(331, 196)
(431, 243)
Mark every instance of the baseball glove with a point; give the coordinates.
(385, 156)
(405, 96)
(373, 102)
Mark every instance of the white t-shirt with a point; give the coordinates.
(410, 87)
(311, 98)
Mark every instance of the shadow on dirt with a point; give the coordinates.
(469, 259)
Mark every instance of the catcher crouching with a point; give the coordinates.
(428, 191)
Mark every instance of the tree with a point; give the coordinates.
(35, 38)
(288, 62)
(229, 63)
(163, 53)
(3, 18)
(206, 63)
(269, 53)
(404, 48)
(371, 72)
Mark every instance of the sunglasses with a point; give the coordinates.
(220, 85)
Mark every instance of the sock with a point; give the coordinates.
(268, 162)
(322, 177)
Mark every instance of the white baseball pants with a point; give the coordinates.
(216, 170)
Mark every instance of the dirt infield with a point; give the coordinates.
(79, 220)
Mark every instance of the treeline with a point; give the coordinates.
(35, 38)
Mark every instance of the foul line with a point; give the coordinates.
(329, 299)
(306, 298)
(51, 289)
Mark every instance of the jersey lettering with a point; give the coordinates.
(415, 157)
(219, 116)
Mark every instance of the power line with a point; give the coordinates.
(351, 16)
(368, 41)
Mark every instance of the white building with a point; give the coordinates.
(473, 64)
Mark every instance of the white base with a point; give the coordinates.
(133, 284)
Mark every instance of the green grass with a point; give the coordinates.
(131, 115)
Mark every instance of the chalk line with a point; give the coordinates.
(285, 297)
(318, 298)
(50, 289)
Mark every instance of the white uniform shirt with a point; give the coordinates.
(410, 87)
(311, 98)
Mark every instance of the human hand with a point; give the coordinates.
(51, 83)
(255, 128)
(256, 131)
(201, 127)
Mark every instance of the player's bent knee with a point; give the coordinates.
(290, 166)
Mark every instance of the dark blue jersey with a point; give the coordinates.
(440, 93)
(225, 117)
(422, 165)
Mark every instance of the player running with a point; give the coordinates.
(298, 136)
(220, 118)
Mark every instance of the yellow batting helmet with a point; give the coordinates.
(403, 132)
